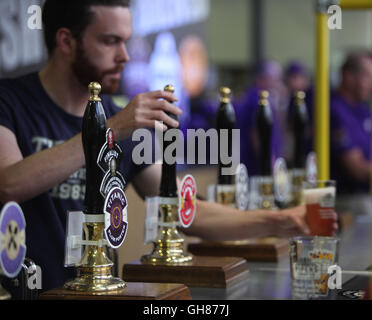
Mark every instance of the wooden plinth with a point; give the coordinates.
(133, 291)
(210, 272)
(267, 249)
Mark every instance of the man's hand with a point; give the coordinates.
(143, 111)
(292, 222)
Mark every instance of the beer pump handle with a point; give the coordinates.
(168, 185)
(299, 126)
(93, 137)
(264, 130)
(225, 120)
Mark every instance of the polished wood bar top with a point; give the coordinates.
(265, 249)
(210, 272)
(132, 291)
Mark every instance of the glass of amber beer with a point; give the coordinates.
(319, 197)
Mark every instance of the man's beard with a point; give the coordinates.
(86, 72)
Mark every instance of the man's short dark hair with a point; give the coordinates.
(74, 15)
(353, 62)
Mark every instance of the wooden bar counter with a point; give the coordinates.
(133, 291)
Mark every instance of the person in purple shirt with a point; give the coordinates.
(268, 78)
(297, 78)
(351, 134)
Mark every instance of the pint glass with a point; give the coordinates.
(310, 259)
(319, 198)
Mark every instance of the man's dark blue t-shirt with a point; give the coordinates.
(38, 123)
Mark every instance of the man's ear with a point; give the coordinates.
(65, 41)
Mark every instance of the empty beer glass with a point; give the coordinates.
(310, 259)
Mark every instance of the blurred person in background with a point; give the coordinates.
(351, 135)
(268, 77)
(296, 78)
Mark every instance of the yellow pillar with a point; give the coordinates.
(355, 4)
(321, 124)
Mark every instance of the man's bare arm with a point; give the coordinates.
(24, 178)
(217, 222)
(147, 182)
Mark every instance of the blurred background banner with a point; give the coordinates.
(200, 45)
(234, 35)
(21, 48)
(156, 16)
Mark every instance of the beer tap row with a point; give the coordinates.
(103, 221)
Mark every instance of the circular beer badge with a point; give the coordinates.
(241, 187)
(116, 224)
(311, 167)
(187, 201)
(281, 180)
(12, 239)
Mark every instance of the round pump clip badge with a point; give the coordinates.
(116, 223)
(241, 187)
(187, 201)
(12, 239)
(281, 180)
(311, 167)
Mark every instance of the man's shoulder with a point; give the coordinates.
(17, 87)
(335, 98)
(18, 81)
(338, 106)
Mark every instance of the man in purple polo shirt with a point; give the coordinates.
(351, 134)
